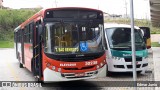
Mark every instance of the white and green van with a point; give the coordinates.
(119, 53)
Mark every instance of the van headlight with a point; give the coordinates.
(145, 57)
(116, 58)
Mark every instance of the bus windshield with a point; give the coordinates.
(120, 39)
(73, 37)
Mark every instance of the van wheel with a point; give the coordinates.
(108, 73)
(139, 72)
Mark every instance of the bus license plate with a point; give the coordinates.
(79, 74)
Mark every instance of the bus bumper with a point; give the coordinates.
(52, 76)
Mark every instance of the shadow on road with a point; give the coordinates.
(124, 74)
(73, 85)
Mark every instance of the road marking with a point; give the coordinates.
(16, 78)
(12, 72)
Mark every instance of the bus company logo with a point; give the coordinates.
(67, 64)
(126, 55)
(80, 55)
(6, 84)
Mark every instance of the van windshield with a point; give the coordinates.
(120, 39)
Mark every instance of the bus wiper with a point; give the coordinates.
(120, 48)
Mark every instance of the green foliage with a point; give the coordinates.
(6, 44)
(155, 44)
(155, 30)
(138, 22)
(10, 19)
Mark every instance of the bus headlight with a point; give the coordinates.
(145, 57)
(97, 66)
(48, 64)
(59, 69)
(101, 64)
(104, 61)
(53, 67)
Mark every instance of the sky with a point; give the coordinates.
(141, 7)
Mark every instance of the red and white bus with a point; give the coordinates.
(62, 44)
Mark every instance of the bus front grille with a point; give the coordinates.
(83, 68)
(130, 59)
(79, 75)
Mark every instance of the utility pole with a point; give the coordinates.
(98, 3)
(55, 3)
(1, 5)
(133, 45)
(126, 8)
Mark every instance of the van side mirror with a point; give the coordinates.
(146, 36)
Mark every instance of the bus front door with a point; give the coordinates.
(37, 56)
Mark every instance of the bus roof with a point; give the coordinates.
(41, 13)
(113, 25)
(71, 8)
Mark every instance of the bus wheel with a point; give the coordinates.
(21, 65)
(38, 80)
(108, 73)
(32, 66)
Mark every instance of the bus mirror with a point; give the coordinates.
(145, 39)
(146, 36)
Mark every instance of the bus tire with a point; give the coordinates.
(32, 65)
(38, 80)
(108, 73)
(21, 65)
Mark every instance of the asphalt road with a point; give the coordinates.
(10, 71)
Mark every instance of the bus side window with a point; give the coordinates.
(46, 37)
(105, 42)
(31, 29)
(27, 34)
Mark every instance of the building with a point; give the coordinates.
(1, 3)
(108, 16)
